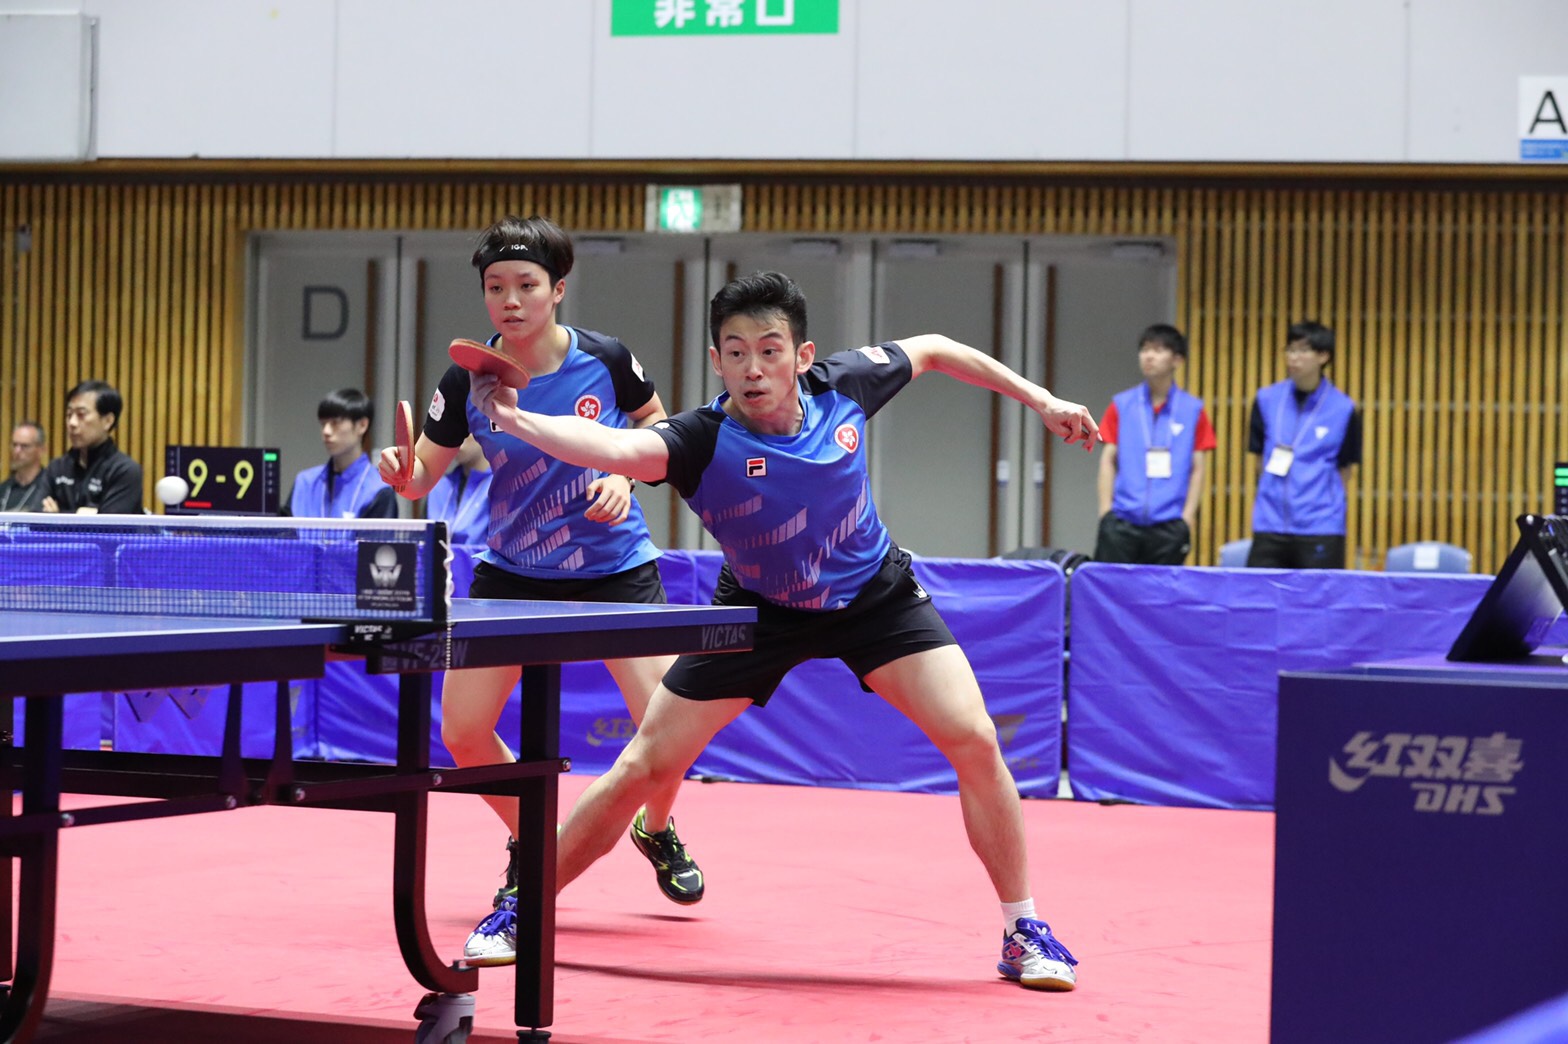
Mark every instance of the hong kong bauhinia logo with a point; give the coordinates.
(1464, 775)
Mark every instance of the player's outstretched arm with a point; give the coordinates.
(937, 352)
(634, 452)
(610, 497)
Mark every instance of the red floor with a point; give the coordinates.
(831, 915)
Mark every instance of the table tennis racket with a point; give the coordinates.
(403, 438)
(481, 358)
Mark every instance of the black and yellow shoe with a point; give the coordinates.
(679, 878)
(510, 888)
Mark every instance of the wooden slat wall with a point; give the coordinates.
(1448, 297)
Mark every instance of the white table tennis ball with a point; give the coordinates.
(171, 490)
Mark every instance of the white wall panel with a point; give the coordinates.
(1144, 80)
(1239, 80)
(231, 79)
(465, 78)
(719, 97)
(46, 81)
(1039, 81)
(1466, 60)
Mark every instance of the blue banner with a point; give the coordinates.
(1174, 670)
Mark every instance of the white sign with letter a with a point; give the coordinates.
(1543, 119)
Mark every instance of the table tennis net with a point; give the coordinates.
(254, 568)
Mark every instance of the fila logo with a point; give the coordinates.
(589, 406)
(848, 437)
(756, 467)
(495, 429)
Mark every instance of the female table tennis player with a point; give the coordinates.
(557, 532)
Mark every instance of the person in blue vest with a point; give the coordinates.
(556, 531)
(1158, 439)
(462, 498)
(347, 485)
(776, 469)
(1308, 433)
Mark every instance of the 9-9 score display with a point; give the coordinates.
(236, 480)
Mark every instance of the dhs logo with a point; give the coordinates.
(589, 407)
(1461, 775)
(848, 437)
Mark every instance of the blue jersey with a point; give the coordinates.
(356, 492)
(793, 513)
(536, 523)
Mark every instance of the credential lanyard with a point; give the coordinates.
(1305, 424)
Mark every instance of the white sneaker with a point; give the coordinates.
(494, 941)
(1034, 958)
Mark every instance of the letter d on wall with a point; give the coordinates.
(316, 328)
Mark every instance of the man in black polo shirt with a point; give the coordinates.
(93, 476)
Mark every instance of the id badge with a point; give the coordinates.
(1157, 463)
(1280, 461)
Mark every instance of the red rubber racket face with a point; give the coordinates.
(481, 358)
(403, 438)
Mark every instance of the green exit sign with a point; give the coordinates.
(722, 17)
(692, 208)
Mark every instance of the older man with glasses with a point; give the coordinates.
(26, 488)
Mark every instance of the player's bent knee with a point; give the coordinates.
(469, 742)
(644, 768)
(974, 744)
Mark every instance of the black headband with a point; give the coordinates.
(516, 252)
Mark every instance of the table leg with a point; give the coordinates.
(23, 1008)
(408, 847)
(537, 813)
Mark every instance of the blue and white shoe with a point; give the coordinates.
(494, 941)
(1034, 958)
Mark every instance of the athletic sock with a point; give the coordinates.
(1012, 912)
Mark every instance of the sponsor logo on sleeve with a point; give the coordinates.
(875, 353)
(437, 405)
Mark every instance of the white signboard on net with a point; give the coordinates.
(1543, 119)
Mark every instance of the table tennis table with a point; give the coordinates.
(44, 655)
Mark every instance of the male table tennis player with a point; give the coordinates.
(776, 469)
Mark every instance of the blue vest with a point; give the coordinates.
(1137, 498)
(466, 512)
(352, 491)
(1310, 500)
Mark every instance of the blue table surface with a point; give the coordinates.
(1545, 667)
(35, 635)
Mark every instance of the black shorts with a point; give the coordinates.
(1284, 551)
(890, 619)
(639, 584)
